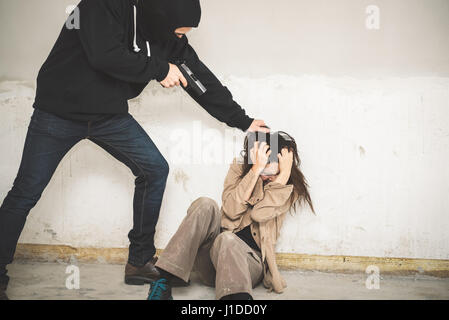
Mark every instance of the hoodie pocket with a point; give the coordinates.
(96, 92)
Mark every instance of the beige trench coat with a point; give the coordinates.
(264, 212)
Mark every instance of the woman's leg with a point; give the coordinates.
(239, 268)
(197, 231)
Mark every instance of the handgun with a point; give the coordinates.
(193, 84)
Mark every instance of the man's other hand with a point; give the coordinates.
(259, 126)
(174, 78)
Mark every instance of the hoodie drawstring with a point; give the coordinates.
(136, 47)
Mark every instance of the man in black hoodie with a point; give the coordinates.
(83, 90)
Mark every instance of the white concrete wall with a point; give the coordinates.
(369, 109)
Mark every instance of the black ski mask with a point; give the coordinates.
(158, 19)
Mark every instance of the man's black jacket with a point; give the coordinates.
(96, 69)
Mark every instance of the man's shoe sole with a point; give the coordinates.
(137, 280)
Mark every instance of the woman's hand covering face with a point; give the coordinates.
(259, 155)
(285, 161)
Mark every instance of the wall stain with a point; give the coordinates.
(362, 151)
(51, 232)
(181, 177)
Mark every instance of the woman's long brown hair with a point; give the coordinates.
(301, 193)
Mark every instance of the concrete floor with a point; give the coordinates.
(39, 281)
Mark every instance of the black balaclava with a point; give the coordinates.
(158, 19)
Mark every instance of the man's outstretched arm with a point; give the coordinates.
(218, 100)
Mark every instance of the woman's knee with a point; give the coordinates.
(206, 207)
(225, 240)
(205, 203)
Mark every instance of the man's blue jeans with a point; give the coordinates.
(48, 139)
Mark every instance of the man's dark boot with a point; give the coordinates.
(138, 276)
(3, 295)
(147, 274)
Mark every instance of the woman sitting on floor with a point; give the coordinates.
(233, 248)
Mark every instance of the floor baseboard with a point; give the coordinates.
(286, 261)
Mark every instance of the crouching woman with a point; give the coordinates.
(233, 248)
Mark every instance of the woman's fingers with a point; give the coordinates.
(253, 152)
(252, 158)
(285, 158)
(263, 147)
(256, 146)
(282, 156)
